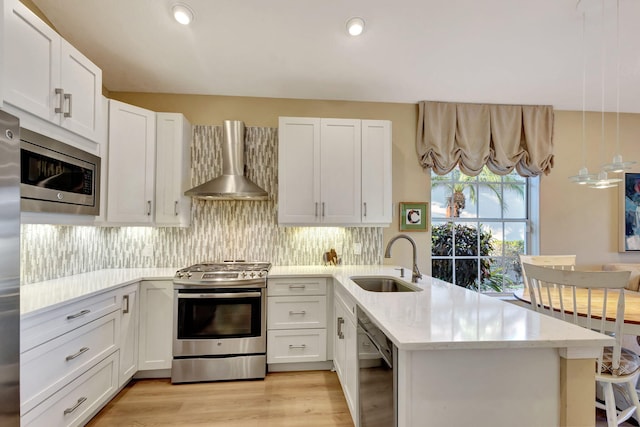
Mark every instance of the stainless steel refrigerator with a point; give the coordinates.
(9, 270)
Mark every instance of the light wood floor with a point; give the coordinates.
(283, 399)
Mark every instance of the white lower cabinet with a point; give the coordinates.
(75, 357)
(156, 325)
(80, 399)
(128, 333)
(48, 367)
(345, 349)
(296, 320)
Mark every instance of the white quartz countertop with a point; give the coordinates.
(41, 296)
(445, 316)
(441, 316)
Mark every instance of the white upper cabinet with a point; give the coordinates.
(47, 77)
(148, 167)
(340, 171)
(325, 170)
(173, 177)
(132, 150)
(298, 170)
(376, 172)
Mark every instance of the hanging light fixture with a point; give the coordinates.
(618, 165)
(584, 177)
(603, 180)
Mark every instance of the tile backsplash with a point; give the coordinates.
(219, 229)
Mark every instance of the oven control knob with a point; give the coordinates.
(252, 274)
(189, 275)
(243, 274)
(261, 273)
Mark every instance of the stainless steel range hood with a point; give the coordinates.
(232, 184)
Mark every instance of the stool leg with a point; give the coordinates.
(610, 403)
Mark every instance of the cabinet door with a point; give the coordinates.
(299, 170)
(156, 325)
(128, 334)
(376, 172)
(173, 163)
(340, 162)
(81, 81)
(131, 164)
(345, 356)
(31, 62)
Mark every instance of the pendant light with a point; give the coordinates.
(618, 165)
(583, 177)
(603, 181)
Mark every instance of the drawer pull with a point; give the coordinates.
(74, 407)
(73, 356)
(125, 301)
(75, 316)
(297, 286)
(301, 312)
(297, 346)
(339, 331)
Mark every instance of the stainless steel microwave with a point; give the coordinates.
(56, 177)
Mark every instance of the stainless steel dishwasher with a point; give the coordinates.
(377, 378)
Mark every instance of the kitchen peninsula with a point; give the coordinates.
(463, 358)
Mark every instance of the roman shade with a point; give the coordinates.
(502, 137)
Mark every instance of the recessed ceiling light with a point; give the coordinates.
(355, 26)
(182, 13)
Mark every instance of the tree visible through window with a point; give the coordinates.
(479, 227)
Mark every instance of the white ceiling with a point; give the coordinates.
(494, 51)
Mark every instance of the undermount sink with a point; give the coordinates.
(383, 284)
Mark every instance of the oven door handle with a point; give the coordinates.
(226, 295)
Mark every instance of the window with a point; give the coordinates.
(479, 227)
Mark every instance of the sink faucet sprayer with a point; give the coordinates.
(415, 274)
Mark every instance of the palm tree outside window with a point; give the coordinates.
(479, 227)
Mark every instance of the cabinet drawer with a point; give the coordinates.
(297, 286)
(300, 345)
(296, 312)
(49, 367)
(80, 399)
(40, 328)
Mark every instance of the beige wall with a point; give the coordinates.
(573, 219)
(579, 220)
(410, 183)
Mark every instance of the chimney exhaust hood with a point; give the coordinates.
(232, 184)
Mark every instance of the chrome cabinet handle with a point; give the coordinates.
(316, 210)
(74, 407)
(175, 208)
(340, 323)
(75, 316)
(73, 356)
(60, 107)
(297, 346)
(125, 301)
(323, 209)
(148, 207)
(365, 208)
(297, 286)
(68, 96)
(301, 312)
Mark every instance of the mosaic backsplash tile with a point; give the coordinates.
(219, 230)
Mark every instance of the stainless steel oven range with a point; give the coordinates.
(219, 326)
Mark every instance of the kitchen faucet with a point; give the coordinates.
(415, 274)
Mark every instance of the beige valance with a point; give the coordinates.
(503, 137)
